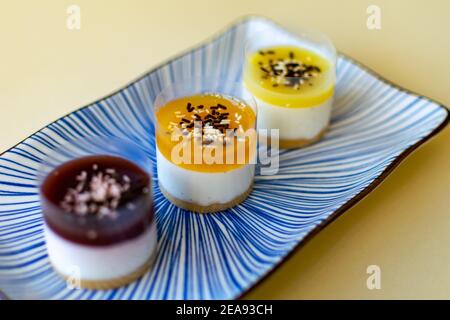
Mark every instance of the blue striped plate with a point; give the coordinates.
(374, 126)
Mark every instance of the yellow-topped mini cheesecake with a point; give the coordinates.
(294, 90)
(205, 162)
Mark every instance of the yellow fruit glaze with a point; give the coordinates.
(312, 91)
(170, 117)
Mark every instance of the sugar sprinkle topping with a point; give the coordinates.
(97, 194)
(288, 72)
(209, 124)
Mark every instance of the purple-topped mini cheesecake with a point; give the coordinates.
(99, 220)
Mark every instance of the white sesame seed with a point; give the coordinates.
(92, 234)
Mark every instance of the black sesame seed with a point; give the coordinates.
(207, 141)
(292, 65)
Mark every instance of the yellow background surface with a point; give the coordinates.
(403, 226)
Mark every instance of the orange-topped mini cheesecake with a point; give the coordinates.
(206, 149)
(293, 82)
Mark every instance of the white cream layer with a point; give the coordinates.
(203, 188)
(100, 262)
(294, 123)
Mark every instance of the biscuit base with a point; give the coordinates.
(215, 207)
(112, 283)
(299, 143)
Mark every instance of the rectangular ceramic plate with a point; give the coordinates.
(374, 126)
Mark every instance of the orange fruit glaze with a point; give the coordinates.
(241, 117)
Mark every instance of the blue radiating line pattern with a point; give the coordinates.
(216, 256)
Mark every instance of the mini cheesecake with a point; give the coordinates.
(99, 225)
(294, 88)
(211, 132)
